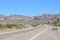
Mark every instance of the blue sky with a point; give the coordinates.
(29, 7)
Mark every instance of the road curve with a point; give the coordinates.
(49, 35)
(38, 33)
(22, 35)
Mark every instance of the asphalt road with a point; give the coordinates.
(39, 33)
(49, 35)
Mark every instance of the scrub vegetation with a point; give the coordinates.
(10, 26)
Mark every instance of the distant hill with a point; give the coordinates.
(45, 18)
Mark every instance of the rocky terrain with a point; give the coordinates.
(45, 18)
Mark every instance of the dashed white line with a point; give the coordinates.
(38, 34)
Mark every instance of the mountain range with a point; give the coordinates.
(21, 19)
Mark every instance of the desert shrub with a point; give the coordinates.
(17, 26)
(54, 23)
(34, 25)
(9, 25)
(58, 25)
(21, 25)
(2, 26)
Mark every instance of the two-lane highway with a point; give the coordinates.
(49, 35)
(23, 35)
(38, 33)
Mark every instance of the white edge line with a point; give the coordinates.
(38, 34)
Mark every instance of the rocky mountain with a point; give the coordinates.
(45, 18)
(14, 19)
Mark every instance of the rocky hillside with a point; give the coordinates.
(45, 18)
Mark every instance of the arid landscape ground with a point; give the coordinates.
(41, 32)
